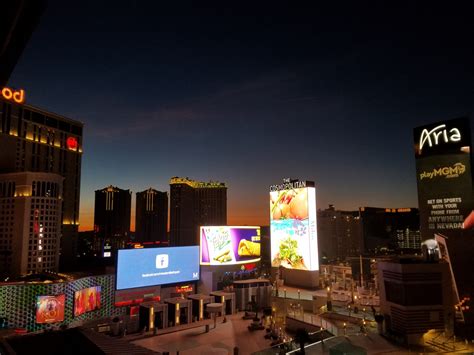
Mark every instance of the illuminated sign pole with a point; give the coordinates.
(444, 176)
(443, 153)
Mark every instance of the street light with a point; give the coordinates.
(328, 299)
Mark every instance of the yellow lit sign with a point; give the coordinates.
(404, 210)
(14, 95)
(447, 171)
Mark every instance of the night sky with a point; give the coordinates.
(249, 93)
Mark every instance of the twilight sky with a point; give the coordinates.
(251, 92)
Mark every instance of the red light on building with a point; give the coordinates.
(134, 310)
(249, 267)
(71, 143)
(184, 289)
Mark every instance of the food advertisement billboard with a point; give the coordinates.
(86, 300)
(50, 309)
(229, 245)
(156, 266)
(293, 229)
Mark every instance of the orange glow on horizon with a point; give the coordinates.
(87, 220)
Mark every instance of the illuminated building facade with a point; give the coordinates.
(112, 219)
(408, 239)
(151, 218)
(30, 222)
(194, 204)
(35, 140)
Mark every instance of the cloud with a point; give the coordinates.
(189, 112)
(139, 122)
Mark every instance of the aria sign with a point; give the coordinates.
(439, 134)
(17, 96)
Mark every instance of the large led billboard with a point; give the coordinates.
(443, 152)
(156, 266)
(228, 245)
(50, 309)
(86, 300)
(444, 176)
(294, 241)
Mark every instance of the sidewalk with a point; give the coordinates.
(221, 340)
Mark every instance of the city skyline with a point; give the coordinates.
(323, 94)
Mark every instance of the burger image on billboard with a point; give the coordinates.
(293, 228)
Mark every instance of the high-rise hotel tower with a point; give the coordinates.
(35, 140)
(194, 204)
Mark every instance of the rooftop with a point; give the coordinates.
(196, 184)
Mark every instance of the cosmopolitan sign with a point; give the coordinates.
(290, 184)
(17, 96)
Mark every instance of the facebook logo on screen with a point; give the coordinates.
(162, 261)
(156, 266)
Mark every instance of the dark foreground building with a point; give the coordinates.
(415, 297)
